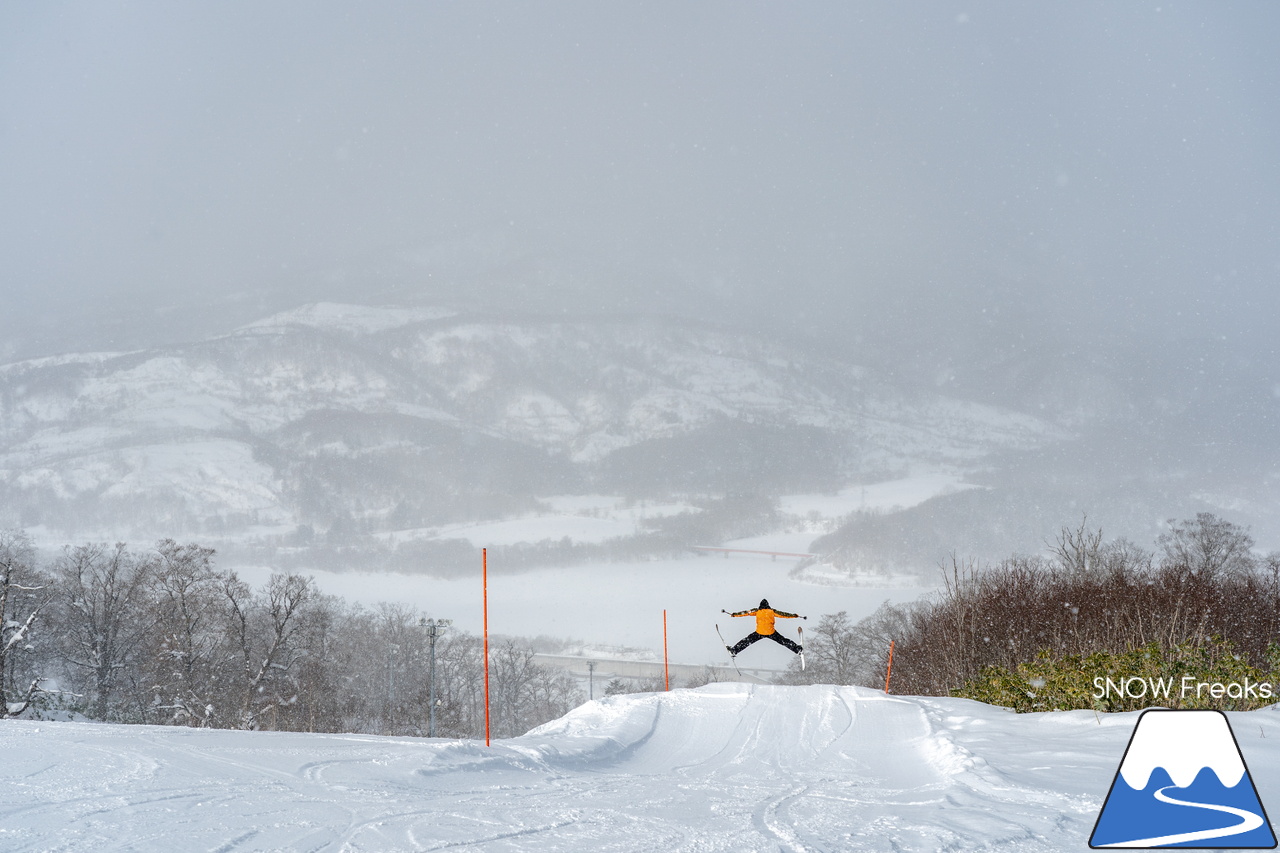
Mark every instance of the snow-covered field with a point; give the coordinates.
(885, 496)
(620, 604)
(597, 518)
(727, 767)
(579, 518)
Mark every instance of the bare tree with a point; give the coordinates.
(105, 618)
(263, 629)
(832, 653)
(1079, 550)
(166, 637)
(512, 672)
(23, 594)
(460, 685)
(1208, 546)
(320, 672)
(1092, 596)
(189, 665)
(525, 694)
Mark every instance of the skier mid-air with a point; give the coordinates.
(765, 616)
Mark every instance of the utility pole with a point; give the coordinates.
(591, 680)
(434, 628)
(392, 651)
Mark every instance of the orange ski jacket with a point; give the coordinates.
(764, 618)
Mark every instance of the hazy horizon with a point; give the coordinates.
(934, 178)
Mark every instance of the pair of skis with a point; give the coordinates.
(733, 659)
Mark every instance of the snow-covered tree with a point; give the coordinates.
(524, 694)
(263, 630)
(840, 651)
(189, 663)
(105, 621)
(23, 595)
(166, 637)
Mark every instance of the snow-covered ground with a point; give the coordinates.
(886, 496)
(727, 767)
(578, 518)
(597, 518)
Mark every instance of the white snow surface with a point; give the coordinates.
(579, 518)
(887, 496)
(727, 767)
(598, 518)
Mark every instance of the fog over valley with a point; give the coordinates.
(372, 287)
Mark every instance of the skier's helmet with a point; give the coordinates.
(764, 603)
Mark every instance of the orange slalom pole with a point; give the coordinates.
(484, 574)
(889, 671)
(666, 670)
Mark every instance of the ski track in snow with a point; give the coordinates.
(728, 767)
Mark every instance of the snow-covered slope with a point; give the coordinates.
(727, 767)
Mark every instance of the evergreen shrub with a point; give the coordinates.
(1181, 675)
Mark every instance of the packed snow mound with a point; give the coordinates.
(750, 730)
(726, 767)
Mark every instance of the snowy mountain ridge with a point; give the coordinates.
(402, 417)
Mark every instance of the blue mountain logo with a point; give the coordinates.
(1183, 783)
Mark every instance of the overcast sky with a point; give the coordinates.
(884, 171)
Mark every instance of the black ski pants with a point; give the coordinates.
(775, 636)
